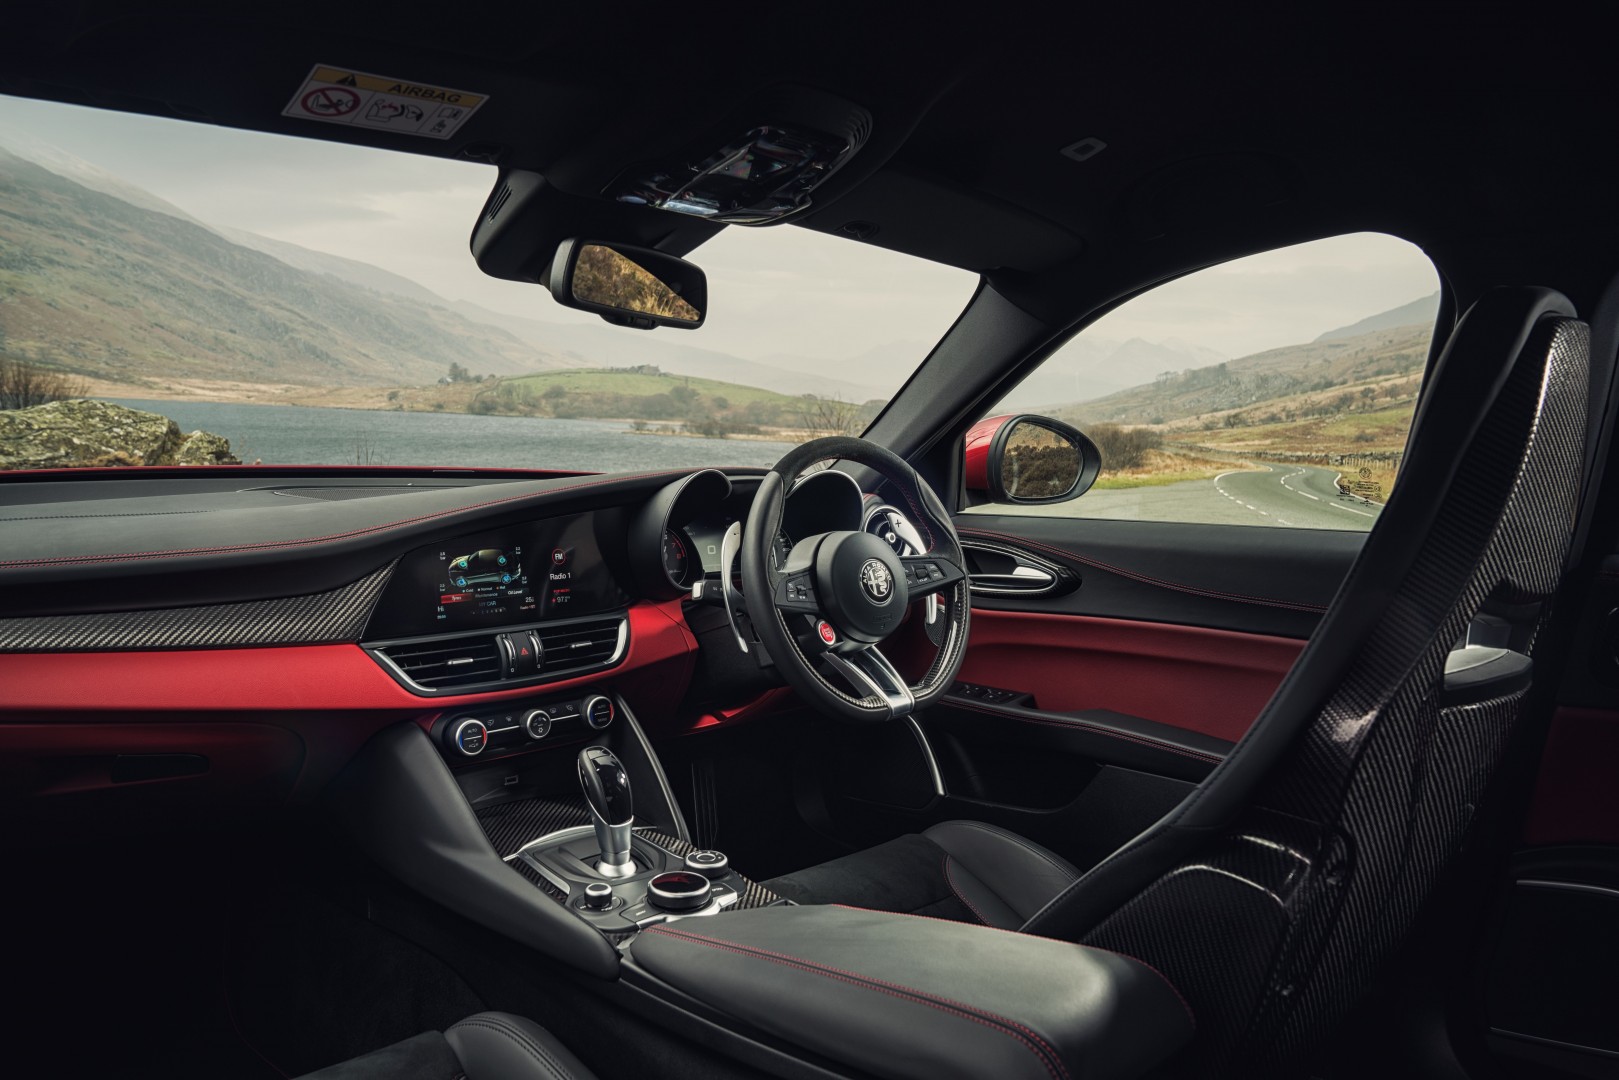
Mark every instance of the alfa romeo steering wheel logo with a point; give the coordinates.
(877, 580)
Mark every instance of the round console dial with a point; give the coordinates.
(597, 711)
(679, 890)
(710, 863)
(470, 737)
(537, 723)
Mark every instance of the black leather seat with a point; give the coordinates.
(487, 1046)
(962, 870)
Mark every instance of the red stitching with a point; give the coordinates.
(1190, 1016)
(904, 993)
(951, 881)
(1146, 578)
(369, 530)
(1140, 740)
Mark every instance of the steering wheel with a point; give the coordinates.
(840, 594)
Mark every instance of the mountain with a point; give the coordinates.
(352, 271)
(1385, 361)
(601, 345)
(1092, 367)
(1425, 310)
(95, 283)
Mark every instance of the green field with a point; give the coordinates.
(637, 384)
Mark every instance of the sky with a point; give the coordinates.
(772, 290)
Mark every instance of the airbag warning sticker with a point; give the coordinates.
(342, 96)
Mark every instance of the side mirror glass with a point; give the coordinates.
(628, 286)
(1030, 459)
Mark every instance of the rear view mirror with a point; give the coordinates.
(1030, 459)
(628, 286)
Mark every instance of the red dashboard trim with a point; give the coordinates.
(334, 697)
(1210, 681)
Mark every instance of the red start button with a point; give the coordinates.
(828, 635)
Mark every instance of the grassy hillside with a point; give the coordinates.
(651, 398)
(92, 284)
(1277, 385)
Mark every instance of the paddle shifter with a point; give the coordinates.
(607, 791)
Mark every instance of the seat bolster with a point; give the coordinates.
(1001, 877)
(421, 1057)
(500, 1046)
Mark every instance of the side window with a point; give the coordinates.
(1273, 390)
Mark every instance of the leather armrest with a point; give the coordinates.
(919, 999)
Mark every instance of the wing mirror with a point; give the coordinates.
(1029, 459)
(628, 286)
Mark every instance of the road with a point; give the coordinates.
(1297, 496)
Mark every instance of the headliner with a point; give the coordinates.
(1225, 135)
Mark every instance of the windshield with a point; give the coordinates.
(280, 301)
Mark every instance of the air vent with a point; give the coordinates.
(439, 665)
(497, 201)
(471, 663)
(580, 645)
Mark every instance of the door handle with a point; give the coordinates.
(1021, 577)
(1000, 570)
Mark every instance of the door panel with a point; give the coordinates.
(1231, 577)
(1213, 682)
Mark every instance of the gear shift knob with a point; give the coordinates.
(612, 811)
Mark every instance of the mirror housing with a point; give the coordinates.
(1027, 459)
(628, 286)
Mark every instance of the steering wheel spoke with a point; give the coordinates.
(871, 674)
(927, 574)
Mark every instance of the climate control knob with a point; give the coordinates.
(537, 723)
(597, 711)
(470, 737)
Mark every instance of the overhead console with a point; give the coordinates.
(500, 609)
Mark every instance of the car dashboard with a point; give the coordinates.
(294, 617)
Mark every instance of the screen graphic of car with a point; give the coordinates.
(491, 566)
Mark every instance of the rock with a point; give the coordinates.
(82, 434)
(206, 448)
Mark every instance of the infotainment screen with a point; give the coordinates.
(550, 569)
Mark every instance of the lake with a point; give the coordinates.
(301, 435)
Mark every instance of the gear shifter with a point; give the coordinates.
(607, 791)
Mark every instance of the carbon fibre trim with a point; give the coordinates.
(338, 615)
(510, 825)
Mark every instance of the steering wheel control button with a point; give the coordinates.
(679, 890)
(597, 711)
(796, 592)
(827, 632)
(471, 737)
(537, 723)
(598, 896)
(709, 863)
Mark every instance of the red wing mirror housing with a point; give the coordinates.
(1021, 458)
